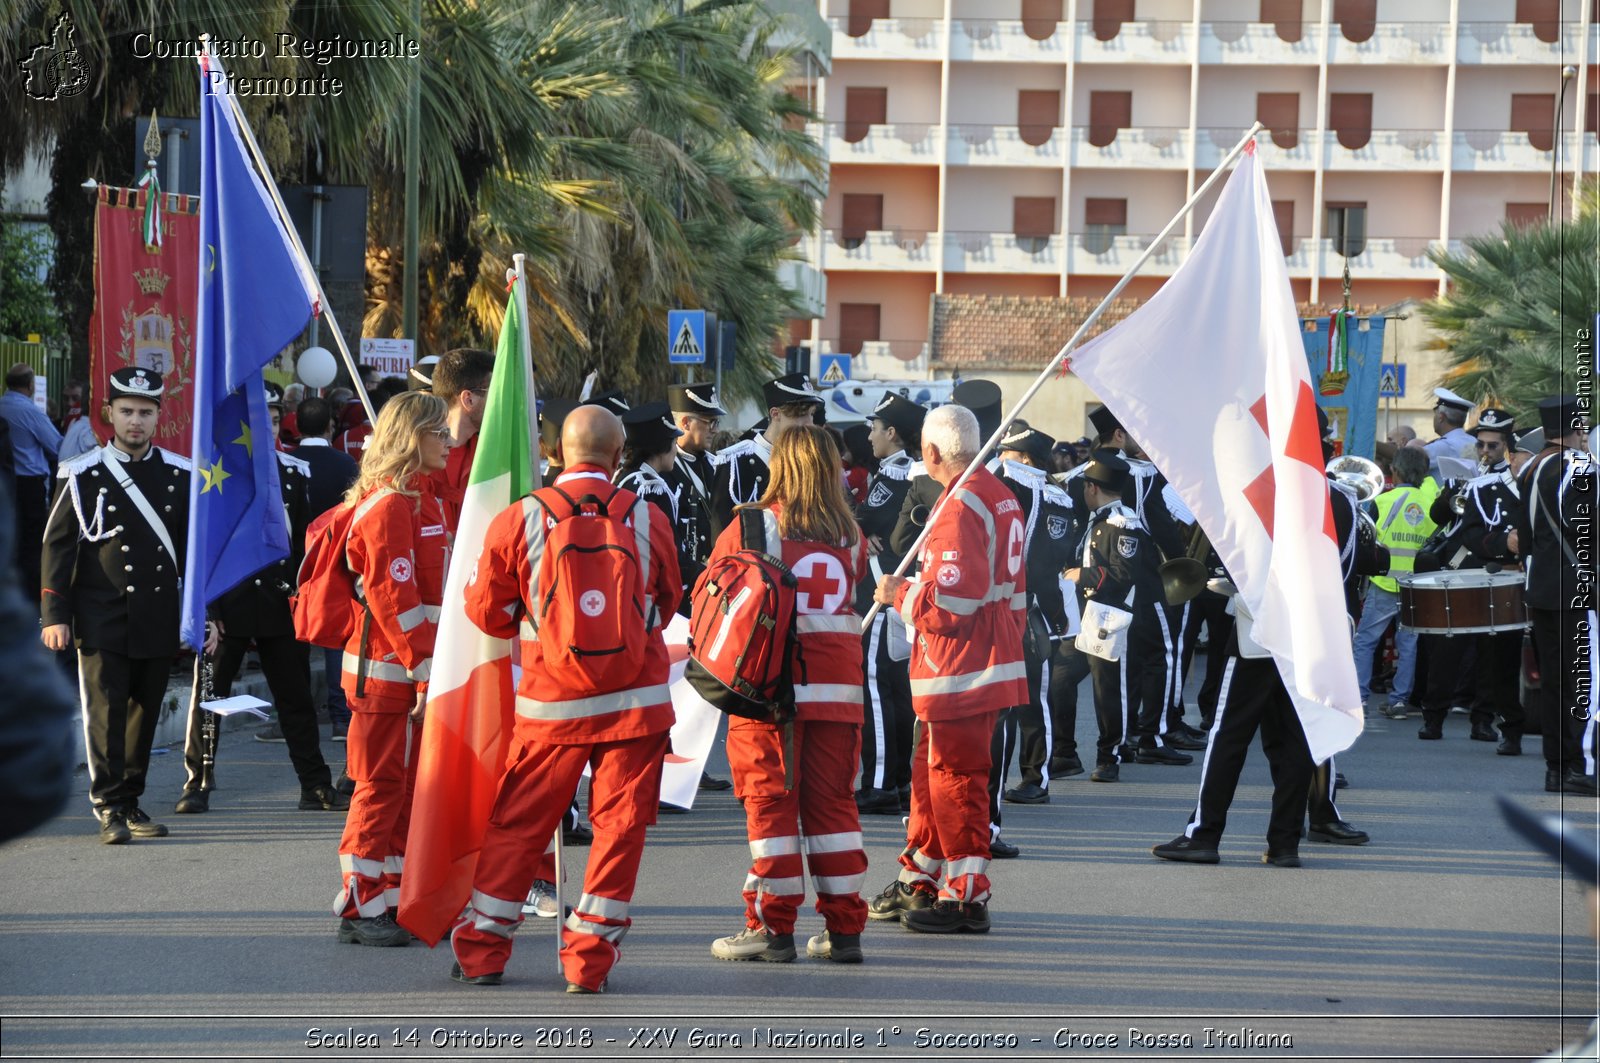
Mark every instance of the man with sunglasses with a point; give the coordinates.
(697, 411)
(461, 378)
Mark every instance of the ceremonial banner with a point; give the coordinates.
(471, 691)
(144, 304)
(257, 295)
(1345, 354)
(1232, 423)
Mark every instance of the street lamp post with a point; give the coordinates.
(1567, 74)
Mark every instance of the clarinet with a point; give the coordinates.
(210, 733)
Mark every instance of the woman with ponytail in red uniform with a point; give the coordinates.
(815, 826)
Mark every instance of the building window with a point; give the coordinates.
(1039, 18)
(1285, 15)
(863, 214)
(1534, 113)
(1109, 112)
(1033, 222)
(1038, 114)
(1347, 228)
(1523, 215)
(1103, 221)
(864, 108)
(1283, 215)
(858, 324)
(1280, 113)
(1591, 114)
(1544, 16)
(1350, 117)
(862, 12)
(1109, 15)
(1357, 19)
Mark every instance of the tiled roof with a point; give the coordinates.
(1011, 331)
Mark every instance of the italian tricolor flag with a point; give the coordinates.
(471, 696)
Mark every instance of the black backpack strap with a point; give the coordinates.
(753, 529)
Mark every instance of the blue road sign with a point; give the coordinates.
(833, 369)
(1392, 382)
(686, 337)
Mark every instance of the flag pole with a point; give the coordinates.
(1061, 356)
(520, 293)
(294, 236)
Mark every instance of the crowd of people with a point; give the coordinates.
(1033, 571)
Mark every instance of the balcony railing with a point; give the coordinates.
(1391, 258)
(1255, 42)
(897, 142)
(1498, 150)
(1003, 40)
(989, 252)
(1386, 150)
(1098, 254)
(1391, 42)
(1145, 41)
(1517, 42)
(993, 145)
(902, 250)
(887, 38)
(1155, 146)
(1211, 144)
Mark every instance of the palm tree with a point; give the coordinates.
(1517, 303)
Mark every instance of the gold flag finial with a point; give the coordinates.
(152, 139)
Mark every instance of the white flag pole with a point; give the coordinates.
(1061, 355)
(306, 269)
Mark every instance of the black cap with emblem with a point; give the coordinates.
(1494, 421)
(420, 376)
(903, 415)
(612, 399)
(650, 428)
(1022, 438)
(551, 416)
(788, 390)
(274, 394)
(1559, 416)
(1107, 470)
(698, 399)
(1105, 422)
(136, 382)
(982, 397)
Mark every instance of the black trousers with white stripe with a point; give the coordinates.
(121, 705)
(1125, 690)
(1254, 699)
(886, 728)
(1568, 646)
(1069, 667)
(1175, 635)
(1034, 723)
(1209, 610)
(1320, 805)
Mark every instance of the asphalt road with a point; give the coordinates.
(1447, 937)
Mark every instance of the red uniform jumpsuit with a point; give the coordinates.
(819, 816)
(399, 550)
(621, 734)
(967, 609)
(450, 483)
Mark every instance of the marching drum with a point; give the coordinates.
(1466, 602)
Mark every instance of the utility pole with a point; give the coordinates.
(413, 171)
(1567, 74)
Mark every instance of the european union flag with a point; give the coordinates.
(256, 296)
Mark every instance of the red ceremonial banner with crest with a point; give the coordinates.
(145, 298)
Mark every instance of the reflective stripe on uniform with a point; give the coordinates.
(811, 693)
(412, 618)
(767, 848)
(420, 673)
(967, 865)
(843, 842)
(959, 606)
(579, 925)
(952, 684)
(839, 884)
(604, 907)
(498, 907)
(926, 863)
(361, 865)
(777, 887)
(598, 705)
(816, 624)
(387, 671)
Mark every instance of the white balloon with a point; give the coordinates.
(316, 367)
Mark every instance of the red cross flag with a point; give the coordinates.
(1210, 376)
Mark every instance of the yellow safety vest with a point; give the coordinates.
(1403, 526)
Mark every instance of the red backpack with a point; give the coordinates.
(321, 604)
(594, 617)
(744, 647)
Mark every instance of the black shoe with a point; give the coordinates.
(1066, 767)
(1483, 732)
(898, 898)
(575, 987)
(381, 931)
(1510, 746)
(1431, 732)
(1107, 772)
(1338, 832)
(140, 825)
(323, 798)
(948, 917)
(1552, 782)
(193, 801)
(492, 978)
(271, 733)
(344, 784)
(581, 835)
(1125, 754)
(1572, 782)
(1000, 849)
(113, 826)
(709, 783)
(874, 802)
(904, 793)
(1158, 755)
(1029, 793)
(1285, 858)
(339, 731)
(666, 809)
(1339, 781)
(1179, 740)
(1185, 849)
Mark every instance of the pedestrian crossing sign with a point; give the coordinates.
(686, 337)
(835, 369)
(1392, 382)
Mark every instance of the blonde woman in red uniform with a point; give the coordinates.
(398, 548)
(815, 826)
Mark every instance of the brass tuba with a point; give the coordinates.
(1359, 475)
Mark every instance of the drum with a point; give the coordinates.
(1468, 602)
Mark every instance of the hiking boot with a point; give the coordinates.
(840, 948)
(380, 931)
(492, 978)
(753, 943)
(898, 898)
(113, 826)
(541, 900)
(140, 825)
(323, 798)
(949, 917)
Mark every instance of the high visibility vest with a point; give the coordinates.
(1403, 526)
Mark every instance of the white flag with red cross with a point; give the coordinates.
(1209, 376)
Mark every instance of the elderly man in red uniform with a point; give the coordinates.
(966, 610)
(618, 730)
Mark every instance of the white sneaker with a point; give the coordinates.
(755, 944)
(541, 900)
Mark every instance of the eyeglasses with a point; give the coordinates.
(442, 434)
(1488, 445)
(709, 422)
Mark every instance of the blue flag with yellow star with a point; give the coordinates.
(256, 296)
